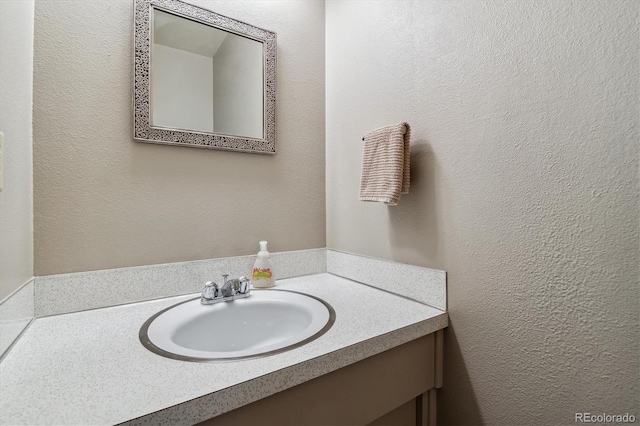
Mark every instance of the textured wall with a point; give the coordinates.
(524, 188)
(16, 199)
(103, 200)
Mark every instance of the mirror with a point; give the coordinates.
(205, 79)
(202, 79)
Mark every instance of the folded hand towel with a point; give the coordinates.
(385, 164)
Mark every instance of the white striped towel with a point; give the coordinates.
(385, 164)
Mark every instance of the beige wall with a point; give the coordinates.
(524, 187)
(104, 201)
(16, 199)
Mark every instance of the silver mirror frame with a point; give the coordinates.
(142, 130)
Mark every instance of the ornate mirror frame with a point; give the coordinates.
(142, 129)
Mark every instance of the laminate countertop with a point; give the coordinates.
(90, 368)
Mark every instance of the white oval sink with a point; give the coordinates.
(266, 322)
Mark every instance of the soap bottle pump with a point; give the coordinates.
(262, 275)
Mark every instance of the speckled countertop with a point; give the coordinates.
(90, 368)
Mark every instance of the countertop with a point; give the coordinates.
(90, 367)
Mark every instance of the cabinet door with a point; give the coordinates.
(354, 395)
(405, 415)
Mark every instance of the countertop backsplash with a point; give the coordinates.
(66, 293)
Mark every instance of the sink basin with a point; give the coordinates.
(266, 322)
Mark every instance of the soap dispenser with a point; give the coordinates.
(262, 275)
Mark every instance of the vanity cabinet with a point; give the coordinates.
(395, 387)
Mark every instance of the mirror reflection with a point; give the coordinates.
(205, 79)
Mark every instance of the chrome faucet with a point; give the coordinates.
(235, 288)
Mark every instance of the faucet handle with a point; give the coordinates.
(245, 285)
(210, 290)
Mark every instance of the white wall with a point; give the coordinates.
(103, 200)
(182, 89)
(524, 187)
(239, 87)
(16, 89)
